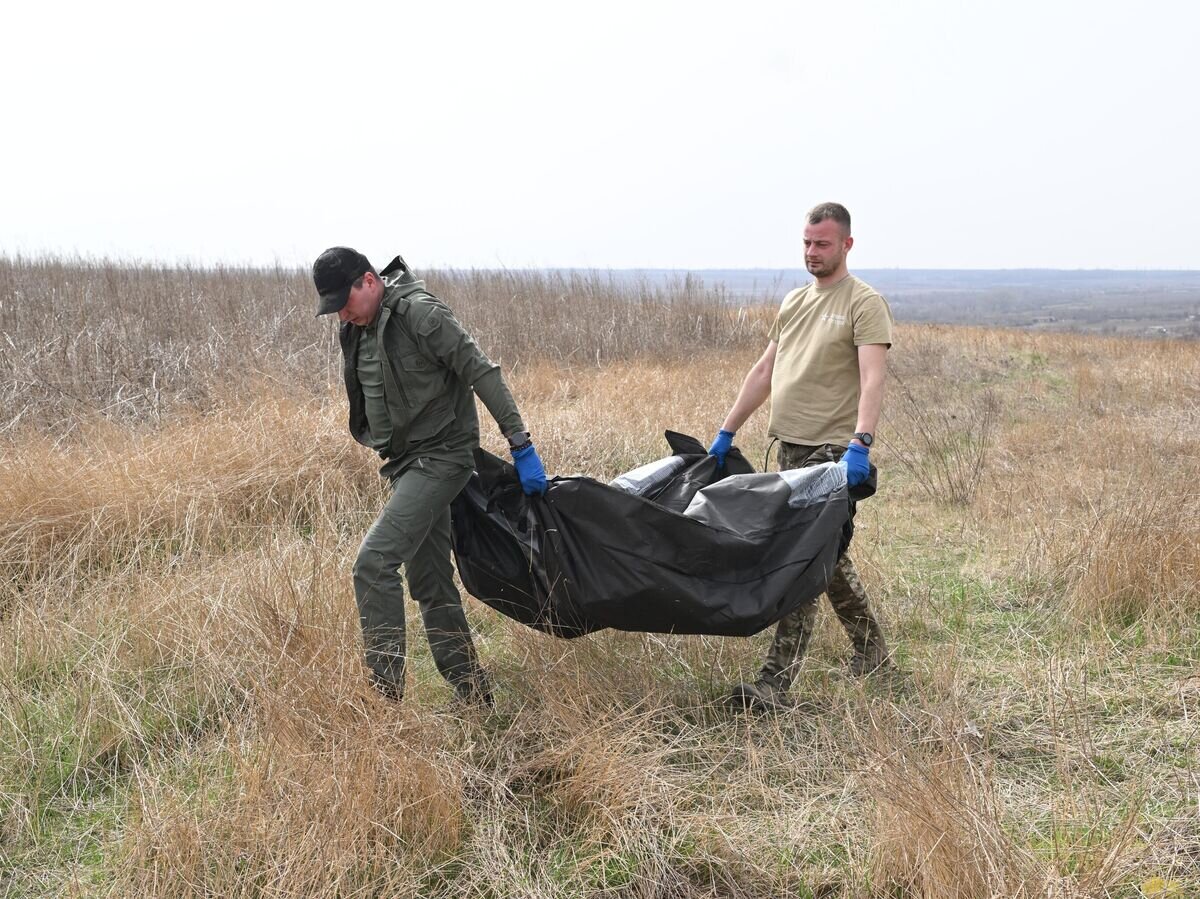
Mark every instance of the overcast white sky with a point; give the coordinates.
(687, 135)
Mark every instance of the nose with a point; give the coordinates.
(343, 314)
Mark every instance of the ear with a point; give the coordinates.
(849, 242)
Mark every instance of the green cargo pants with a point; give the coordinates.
(846, 594)
(413, 531)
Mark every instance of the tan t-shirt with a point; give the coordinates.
(815, 384)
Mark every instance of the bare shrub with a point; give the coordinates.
(941, 439)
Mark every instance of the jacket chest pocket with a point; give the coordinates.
(423, 381)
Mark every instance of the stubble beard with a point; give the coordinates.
(817, 270)
(825, 269)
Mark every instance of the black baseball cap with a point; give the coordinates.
(334, 273)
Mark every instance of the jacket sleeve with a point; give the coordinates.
(442, 338)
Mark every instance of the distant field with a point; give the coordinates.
(1133, 303)
(184, 712)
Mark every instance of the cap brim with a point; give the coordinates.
(333, 301)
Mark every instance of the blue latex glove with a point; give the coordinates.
(721, 446)
(858, 469)
(530, 470)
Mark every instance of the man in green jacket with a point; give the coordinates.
(412, 374)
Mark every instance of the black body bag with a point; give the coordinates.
(676, 546)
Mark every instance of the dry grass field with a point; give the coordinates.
(183, 712)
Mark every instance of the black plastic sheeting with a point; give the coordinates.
(676, 546)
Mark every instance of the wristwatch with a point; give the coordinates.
(867, 439)
(518, 440)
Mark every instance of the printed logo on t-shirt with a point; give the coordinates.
(833, 318)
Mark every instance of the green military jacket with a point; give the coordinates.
(432, 370)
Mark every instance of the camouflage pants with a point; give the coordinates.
(413, 531)
(846, 594)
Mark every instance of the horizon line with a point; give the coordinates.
(119, 262)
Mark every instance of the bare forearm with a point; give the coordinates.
(872, 371)
(754, 392)
(746, 404)
(870, 402)
(756, 387)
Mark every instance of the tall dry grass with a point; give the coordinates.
(940, 831)
(201, 483)
(183, 710)
(147, 342)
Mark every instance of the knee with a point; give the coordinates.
(847, 596)
(800, 620)
(373, 562)
(435, 597)
(431, 579)
(382, 551)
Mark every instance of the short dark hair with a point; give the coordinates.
(358, 282)
(835, 211)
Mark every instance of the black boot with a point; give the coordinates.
(476, 690)
(388, 689)
(764, 695)
(870, 648)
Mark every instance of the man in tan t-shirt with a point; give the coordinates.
(824, 370)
